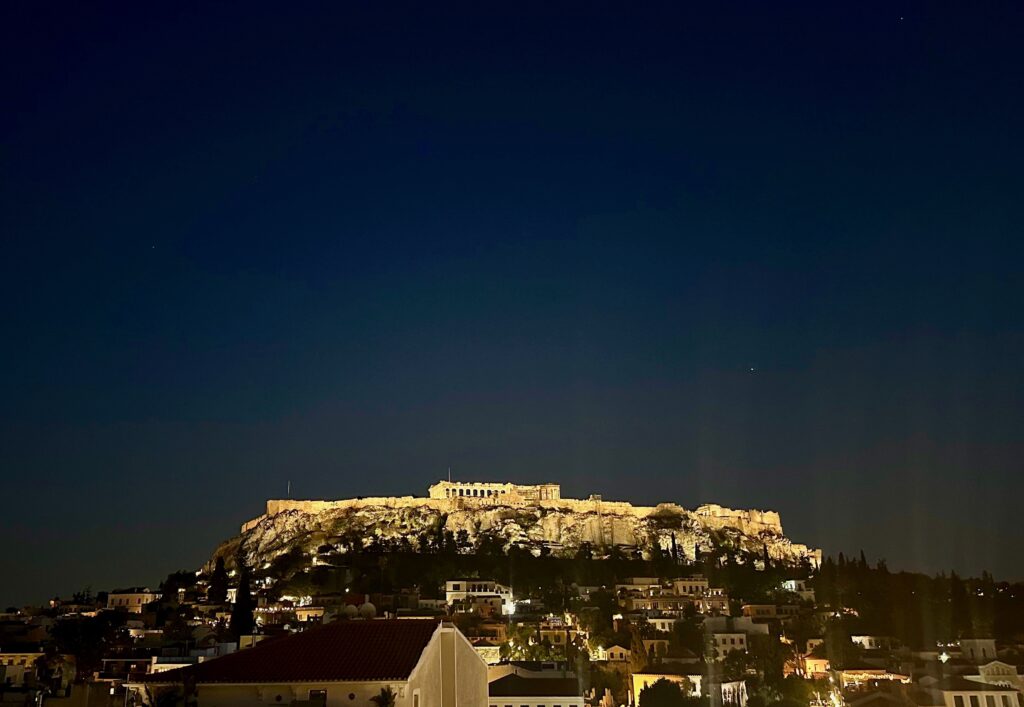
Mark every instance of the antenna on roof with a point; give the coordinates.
(289, 488)
(449, 473)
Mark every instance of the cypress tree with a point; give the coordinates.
(218, 591)
(242, 620)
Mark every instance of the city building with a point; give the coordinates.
(978, 650)
(518, 691)
(425, 663)
(132, 600)
(690, 586)
(997, 672)
(726, 643)
(800, 588)
(466, 590)
(959, 692)
(691, 681)
(874, 642)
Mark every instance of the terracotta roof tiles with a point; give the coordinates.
(386, 649)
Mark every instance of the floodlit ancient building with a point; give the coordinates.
(483, 489)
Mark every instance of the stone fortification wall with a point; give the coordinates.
(747, 521)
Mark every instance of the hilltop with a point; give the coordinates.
(500, 517)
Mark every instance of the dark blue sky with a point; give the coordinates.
(349, 245)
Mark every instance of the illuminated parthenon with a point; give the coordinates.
(483, 489)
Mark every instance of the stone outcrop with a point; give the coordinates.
(562, 525)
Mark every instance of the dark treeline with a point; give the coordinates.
(917, 609)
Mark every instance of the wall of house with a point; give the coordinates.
(963, 699)
(450, 674)
(338, 694)
(534, 701)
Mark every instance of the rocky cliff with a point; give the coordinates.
(561, 527)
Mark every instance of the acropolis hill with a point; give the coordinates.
(532, 516)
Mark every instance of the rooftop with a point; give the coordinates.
(516, 686)
(386, 649)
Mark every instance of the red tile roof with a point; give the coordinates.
(386, 649)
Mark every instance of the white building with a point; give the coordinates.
(425, 663)
(617, 654)
(131, 600)
(958, 692)
(663, 624)
(715, 601)
(726, 643)
(978, 650)
(690, 586)
(800, 588)
(639, 587)
(468, 590)
(734, 624)
(998, 673)
(871, 643)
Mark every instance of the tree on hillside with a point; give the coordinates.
(662, 693)
(217, 593)
(638, 658)
(734, 665)
(839, 648)
(182, 579)
(688, 634)
(768, 656)
(242, 620)
(960, 616)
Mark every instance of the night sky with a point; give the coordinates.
(762, 254)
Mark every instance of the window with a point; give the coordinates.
(318, 695)
(975, 702)
(990, 701)
(1006, 701)
(958, 701)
